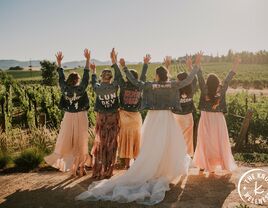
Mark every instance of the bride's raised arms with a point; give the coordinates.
(167, 62)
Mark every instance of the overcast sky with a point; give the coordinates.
(36, 29)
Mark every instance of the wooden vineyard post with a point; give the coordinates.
(243, 131)
(35, 113)
(2, 117)
(42, 119)
(195, 132)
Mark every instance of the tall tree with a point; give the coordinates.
(49, 72)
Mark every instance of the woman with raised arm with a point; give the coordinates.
(184, 116)
(107, 123)
(71, 150)
(130, 117)
(213, 148)
(162, 157)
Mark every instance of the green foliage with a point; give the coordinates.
(15, 68)
(49, 73)
(238, 105)
(252, 157)
(43, 139)
(29, 159)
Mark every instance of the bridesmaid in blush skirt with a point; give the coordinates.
(184, 116)
(71, 150)
(213, 148)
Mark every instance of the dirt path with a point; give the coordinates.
(54, 189)
(263, 92)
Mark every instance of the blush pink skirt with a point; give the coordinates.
(213, 150)
(186, 123)
(71, 150)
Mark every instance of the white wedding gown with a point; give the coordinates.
(162, 159)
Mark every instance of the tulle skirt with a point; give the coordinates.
(129, 134)
(186, 123)
(71, 150)
(162, 159)
(213, 150)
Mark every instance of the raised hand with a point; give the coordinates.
(198, 58)
(87, 54)
(59, 57)
(146, 59)
(122, 62)
(167, 61)
(236, 62)
(189, 62)
(113, 56)
(93, 68)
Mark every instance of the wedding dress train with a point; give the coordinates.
(161, 160)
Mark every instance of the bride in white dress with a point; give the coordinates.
(162, 157)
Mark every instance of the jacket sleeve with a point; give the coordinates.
(201, 81)
(62, 82)
(137, 83)
(227, 80)
(143, 72)
(194, 84)
(94, 81)
(189, 79)
(85, 79)
(118, 75)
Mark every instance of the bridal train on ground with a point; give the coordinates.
(162, 159)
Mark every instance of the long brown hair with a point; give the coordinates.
(187, 89)
(73, 79)
(162, 73)
(213, 83)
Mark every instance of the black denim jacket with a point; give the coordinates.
(130, 95)
(74, 98)
(161, 95)
(187, 103)
(106, 96)
(207, 105)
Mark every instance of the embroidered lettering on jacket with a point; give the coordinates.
(72, 99)
(108, 100)
(157, 86)
(131, 97)
(185, 99)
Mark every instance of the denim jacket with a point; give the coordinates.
(74, 98)
(187, 103)
(161, 95)
(106, 96)
(130, 95)
(204, 103)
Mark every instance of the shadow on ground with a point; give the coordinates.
(199, 191)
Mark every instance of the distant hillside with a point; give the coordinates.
(5, 64)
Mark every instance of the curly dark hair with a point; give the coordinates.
(213, 83)
(187, 89)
